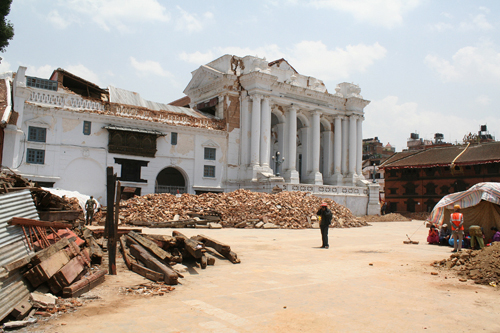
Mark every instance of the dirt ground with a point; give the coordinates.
(368, 281)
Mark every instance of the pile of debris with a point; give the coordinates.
(392, 217)
(241, 208)
(147, 289)
(482, 266)
(157, 257)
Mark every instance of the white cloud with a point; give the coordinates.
(483, 100)
(5, 66)
(57, 20)
(477, 22)
(387, 13)
(83, 72)
(149, 66)
(192, 22)
(469, 63)
(43, 72)
(382, 115)
(118, 14)
(441, 26)
(312, 58)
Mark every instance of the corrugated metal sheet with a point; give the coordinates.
(13, 246)
(121, 96)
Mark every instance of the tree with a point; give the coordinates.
(6, 28)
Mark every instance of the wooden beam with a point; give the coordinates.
(147, 273)
(124, 253)
(141, 254)
(151, 246)
(110, 229)
(193, 247)
(37, 223)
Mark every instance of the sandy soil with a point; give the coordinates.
(368, 281)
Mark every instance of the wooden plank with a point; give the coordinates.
(210, 259)
(146, 272)
(210, 242)
(203, 261)
(140, 253)
(168, 241)
(110, 229)
(47, 268)
(95, 251)
(37, 223)
(66, 275)
(124, 253)
(193, 247)
(85, 284)
(151, 246)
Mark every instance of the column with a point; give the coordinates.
(345, 143)
(265, 134)
(292, 175)
(245, 132)
(327, 153)
(359, 144)
(337, 146)
(255, 139)
(352, 145)
(318, 179)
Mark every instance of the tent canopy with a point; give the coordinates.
(480, 206)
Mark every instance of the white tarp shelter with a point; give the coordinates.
(480, 206)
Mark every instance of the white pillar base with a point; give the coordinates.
(373, 199)
(336, 179)
(292, 176)
(318, 178)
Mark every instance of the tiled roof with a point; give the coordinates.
(474, 154)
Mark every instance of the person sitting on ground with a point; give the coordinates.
(444, 235)
(476, 236)
(433, 237)
(496, 236)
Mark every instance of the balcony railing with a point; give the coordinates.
(170, 189)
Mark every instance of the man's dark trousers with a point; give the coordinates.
(324, 234)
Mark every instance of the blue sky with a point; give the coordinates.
(426, 66)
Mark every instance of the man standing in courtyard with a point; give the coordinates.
(90, 207)
(457, 228)
(326, 219)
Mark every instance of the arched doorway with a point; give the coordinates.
(170, 180)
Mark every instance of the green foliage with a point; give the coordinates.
(6, 28)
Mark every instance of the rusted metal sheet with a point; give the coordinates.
(13, 246)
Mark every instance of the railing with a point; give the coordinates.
(64, 100)
(326, 189)
(170, 189)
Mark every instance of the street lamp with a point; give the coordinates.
(278, 162)
(374, 171)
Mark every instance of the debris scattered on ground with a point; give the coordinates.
(241, 208)
(147, 289)
(482, 266)
(422, 216)
(391, 217)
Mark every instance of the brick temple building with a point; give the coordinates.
(416, 180)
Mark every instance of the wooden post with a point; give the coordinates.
(110, 221)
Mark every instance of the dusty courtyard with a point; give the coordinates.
(368, 281)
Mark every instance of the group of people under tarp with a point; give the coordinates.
(457, 237)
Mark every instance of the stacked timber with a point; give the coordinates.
(156, 256)
(241, 208)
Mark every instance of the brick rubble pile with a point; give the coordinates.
(482, 266)
(285, 209)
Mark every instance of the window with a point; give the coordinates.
(87, 127)
(35, 156)
(210, 153)
(37, 134)
(131, 169)
(209, 171)
(173, 139)
(36, 82)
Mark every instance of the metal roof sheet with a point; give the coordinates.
(13, 246)
(121, 96)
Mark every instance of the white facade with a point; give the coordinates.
(264, 108)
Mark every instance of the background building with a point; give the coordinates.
(251, 124)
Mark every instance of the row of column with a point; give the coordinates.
(346, 151)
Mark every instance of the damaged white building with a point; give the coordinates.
(245, 123)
